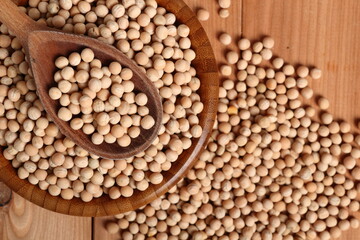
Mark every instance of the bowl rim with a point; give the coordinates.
(206, 67)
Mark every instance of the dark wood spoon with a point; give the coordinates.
(43, 45)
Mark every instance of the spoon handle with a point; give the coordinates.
(17, 21)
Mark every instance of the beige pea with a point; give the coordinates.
(266, 54)
(268, 42)
(302, 71)
(127, 191)
(134, 132)
(61, 62)
(128, 86)
(118, 10)
(141, 99)
(141, 58)
(82, 76)
(67, 194)
(226, 70)
(326, 118)
(323, 103)
(14, 94)
(232, 57)
(97, 138)
(315, 73)
(115, 68)
(183, 30)
(118, 90)
(224, 3)
(307, 92)
(102, 119)
(147, 122)
(196, 131)
(244, 44)
(278, 63)
(64, 86)
(64, 114)
(67, 73)
(203, 14)
(34, 113)
(86, 196)
(124, 141)
(85, 101)
(224, 13)
(112, 227)
(55, 93)
(95, 85)
(54, 190)
(76, 123)
(225, 39)
(288, 70)
(156, 178)
(87, 55)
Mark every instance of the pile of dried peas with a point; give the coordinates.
(100, 100)
(143, 31)
(270, 170)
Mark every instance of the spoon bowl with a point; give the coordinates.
(55, 44)
(43, 45)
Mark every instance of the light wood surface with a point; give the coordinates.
(22, 220)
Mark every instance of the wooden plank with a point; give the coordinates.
(214, 27)
(322, 33)
(22, 220)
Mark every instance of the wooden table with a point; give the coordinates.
(322, 33)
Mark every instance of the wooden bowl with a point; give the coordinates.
(206, 66)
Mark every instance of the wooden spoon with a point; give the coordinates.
(43, 45)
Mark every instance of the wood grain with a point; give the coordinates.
(322, 33)
(22, 220)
